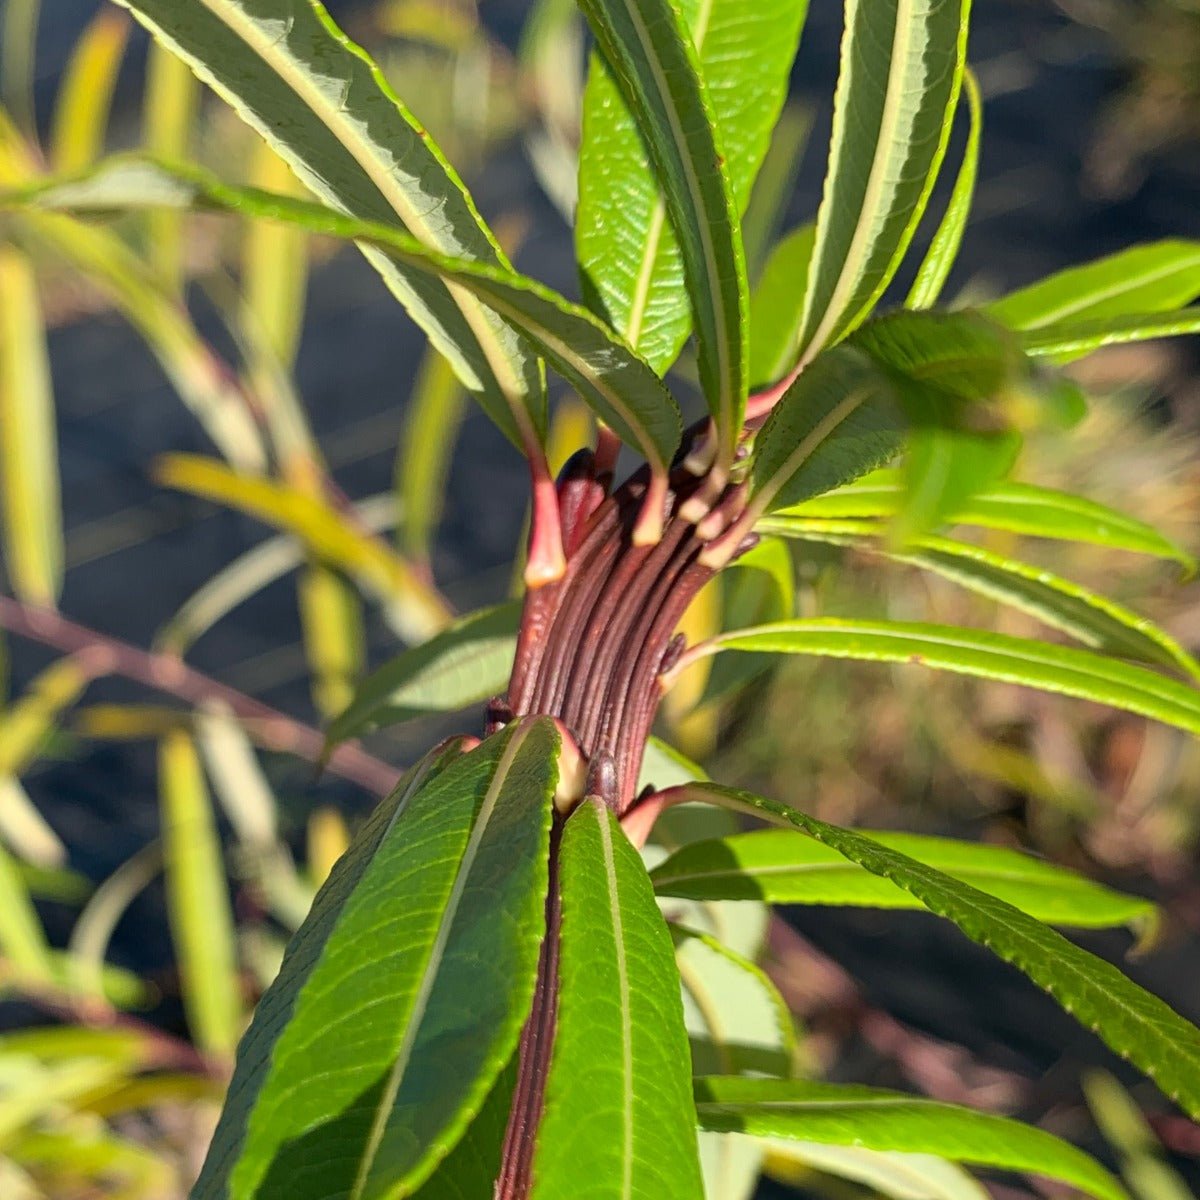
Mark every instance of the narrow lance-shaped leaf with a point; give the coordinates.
(436, 410)
(25, 724)
(628, 252)
(85, 95)
(198, 899)
(27, 833)
(943, 250)
(783, 867)
(655, 66)
(776, 306)
(423, 944)
(248, 574)
(168, 117)
(1073, 339)
(966, 388)
(326, 109)
(735, 1015)
(891, 1173)
(275, 266)
(196, 374)
(331, 619)
(737, 1021)
(1153, 278)
(901, 68)
(22, 938)
(1134, 1023)
(326, 532)
(33, 539)
(844, 1114)
(774, 185)
(1016, 507)
(839, 420)
(463, 665)
(1063, 669)
(1091, 618)
(618, 1118)
(18, 60)
(618, 385)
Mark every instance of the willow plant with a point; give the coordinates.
(486, 997)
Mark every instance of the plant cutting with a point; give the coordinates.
(494, 992)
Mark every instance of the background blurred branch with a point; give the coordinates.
(271, 728)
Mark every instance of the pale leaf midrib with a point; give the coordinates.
(986, 913)
(658, 217)
(725, 401)
(597, 381)
(1080, 304)
(990, 874)
(1004, 660)
(625, 1003)
(850, 272)
(824, 428)
(433, 963)
(304, 87)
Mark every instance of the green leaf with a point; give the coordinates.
(1016, 507)
(628, 253)
(943, 250)
(248, 574)
(18, 60)
(777, 307)
(81, 110)
(469, 1171)
(891, 1173)
(782, 867)
(1130, 1020)
(737, 1019)
(1093, 619)
(618, 1117)
(274, 273)
(22, 938)
(26, 832)
(656, 68)
(463, 665)
(169, 106)
(413, 975)
(29, 486)
(1142, 1157)
(759, 586)
(618, 385)
(943, 469)
(26, 724)
(326, 109)
(901, 69)
(1153, 278)
(839, 420)
(1062, 669)
(1072, 339)
(964, 356)
(423, 460)
(774, 185)
(844, 1114)
(195, 372)
(328, 533)
(202, 925)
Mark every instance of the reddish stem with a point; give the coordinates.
(166, 673)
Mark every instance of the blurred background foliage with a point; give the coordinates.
(323, 496)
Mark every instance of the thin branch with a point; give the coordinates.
(165, 673)
(162, 1050)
